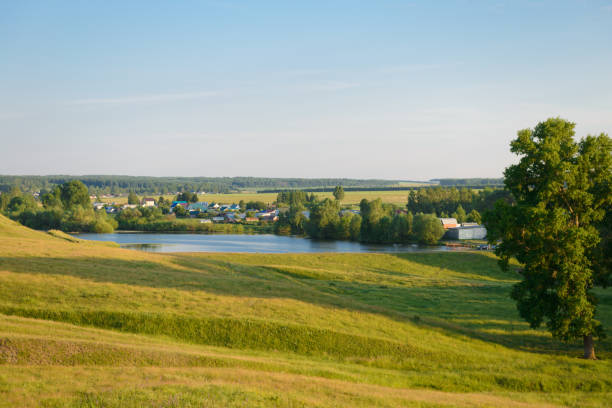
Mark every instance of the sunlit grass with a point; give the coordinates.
(137, 328)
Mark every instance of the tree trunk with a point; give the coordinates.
(589, 348)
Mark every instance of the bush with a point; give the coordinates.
(427, 229)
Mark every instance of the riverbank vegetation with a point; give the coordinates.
(378, 222)
(66, 208)
(85, 323)
(151, 219)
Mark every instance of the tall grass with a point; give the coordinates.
(233, 333)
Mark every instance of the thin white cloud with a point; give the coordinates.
(10, 115)
(326, 86)
(143, 98)
(415, 68)
(307, 72)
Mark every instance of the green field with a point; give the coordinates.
(351, 197)
(89, 324)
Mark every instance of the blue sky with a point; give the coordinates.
(386, 89)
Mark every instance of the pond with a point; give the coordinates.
(265, 243)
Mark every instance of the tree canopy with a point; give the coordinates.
(74, 193)
(427, 228)
(339, 193)
(563, 194)
(187, 196)
(133, 198)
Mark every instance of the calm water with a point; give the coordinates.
(242, 243)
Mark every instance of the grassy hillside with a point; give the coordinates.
(88, 324)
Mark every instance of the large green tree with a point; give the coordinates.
(563, 193)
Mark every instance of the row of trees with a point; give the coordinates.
(463, 204)
(294, 197)
(166, 185)
(444, 201)
(460, 215)
(377, 223)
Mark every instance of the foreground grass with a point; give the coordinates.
(89, 324)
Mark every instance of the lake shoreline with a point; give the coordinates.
(249, 243)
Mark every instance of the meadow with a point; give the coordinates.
(350, 198)
(89, 324)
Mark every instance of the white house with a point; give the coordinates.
(148, 202)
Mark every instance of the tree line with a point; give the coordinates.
(463, 182)
(167, 185)
(444, 201)
(376, 222)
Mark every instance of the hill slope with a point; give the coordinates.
(87, 323)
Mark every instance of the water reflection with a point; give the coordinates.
(143, 247)
(151, 242)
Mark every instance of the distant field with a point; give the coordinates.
(86, 324)
(351, 197)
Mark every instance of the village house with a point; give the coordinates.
(148, 202)
(199, 206)
(268, 214)
(230, 217)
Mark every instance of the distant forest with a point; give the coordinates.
(117, 185)
(458, 182)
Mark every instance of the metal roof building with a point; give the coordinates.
(467, 232)
(449, 222)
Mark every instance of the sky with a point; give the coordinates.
(391, 89)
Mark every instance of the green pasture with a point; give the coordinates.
(350, 198)
(85, 324)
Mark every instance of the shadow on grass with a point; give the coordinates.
(479, 309)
